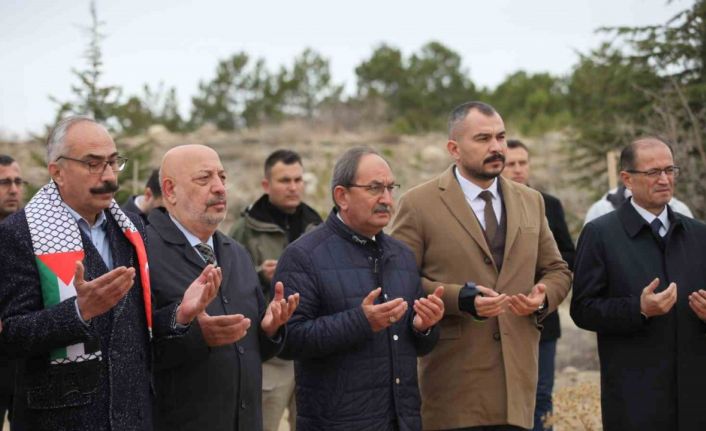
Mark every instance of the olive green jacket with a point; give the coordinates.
(266, 240)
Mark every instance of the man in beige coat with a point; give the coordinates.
(487, 241)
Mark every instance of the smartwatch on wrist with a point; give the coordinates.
(467, 300)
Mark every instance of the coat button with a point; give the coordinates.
(241, 349)
(395, 337)
(243, 405)
(225, 299)
(487, 260)
(397, 380)
(496, 336)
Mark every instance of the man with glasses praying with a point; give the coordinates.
(75, 295)
(639, 284)
(363, 319)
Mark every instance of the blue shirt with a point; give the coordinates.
(97, 234)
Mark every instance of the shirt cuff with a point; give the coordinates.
(78, 313)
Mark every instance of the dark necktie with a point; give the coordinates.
(206, 252)
(491, 221)
(656, 225)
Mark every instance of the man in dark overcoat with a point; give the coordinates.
(639, 280)
(210, 378)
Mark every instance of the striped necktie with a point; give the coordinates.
(206, 253)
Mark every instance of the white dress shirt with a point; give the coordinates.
(648, 216)
(471, 191)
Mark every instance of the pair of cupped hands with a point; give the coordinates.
(99, 295)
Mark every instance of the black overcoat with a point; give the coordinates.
(652, 370)
(557, 224)
(200, 387)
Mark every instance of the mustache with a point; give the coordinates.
(216, 201)
(495, 157)
(382, 208)
(106, 187)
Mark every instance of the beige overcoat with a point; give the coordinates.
(480, 373)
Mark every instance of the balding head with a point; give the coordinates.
(629, 155)
(193, 188)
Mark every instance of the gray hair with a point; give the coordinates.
(56, 140)
(461, 112)
(346, 168)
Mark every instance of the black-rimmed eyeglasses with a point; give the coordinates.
(98, 166)
(7, 182)
(670, 171)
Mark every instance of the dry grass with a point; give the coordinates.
(577, 406)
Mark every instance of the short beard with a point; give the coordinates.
(212, 220)
(478, 174)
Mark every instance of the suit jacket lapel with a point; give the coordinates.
(455, 200)
(221, 245)
(166, 228)
(513, 212)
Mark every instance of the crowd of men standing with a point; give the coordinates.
(147, 317)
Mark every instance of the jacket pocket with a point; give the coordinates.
(66, 385)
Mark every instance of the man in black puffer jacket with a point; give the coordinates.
(362, 318)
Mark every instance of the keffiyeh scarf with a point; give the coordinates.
(57, 245)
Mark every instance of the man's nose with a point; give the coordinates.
(386, 196)
(218, 186)
(496, 145)
(108, 174)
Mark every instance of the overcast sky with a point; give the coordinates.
(179, 42)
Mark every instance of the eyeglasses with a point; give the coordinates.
(7, 182)
(98, 166)
(670, 171)
(377, 189)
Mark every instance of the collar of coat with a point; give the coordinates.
(634, 222)
(514, 210)
(345, 232)
(162, 224)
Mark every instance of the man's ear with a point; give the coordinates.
(55, 173)
(340, 196)
(148, 194)
(452, 148)
(626, 178)
(265, 183)
(168, 194)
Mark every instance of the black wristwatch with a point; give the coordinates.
(467, 300)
